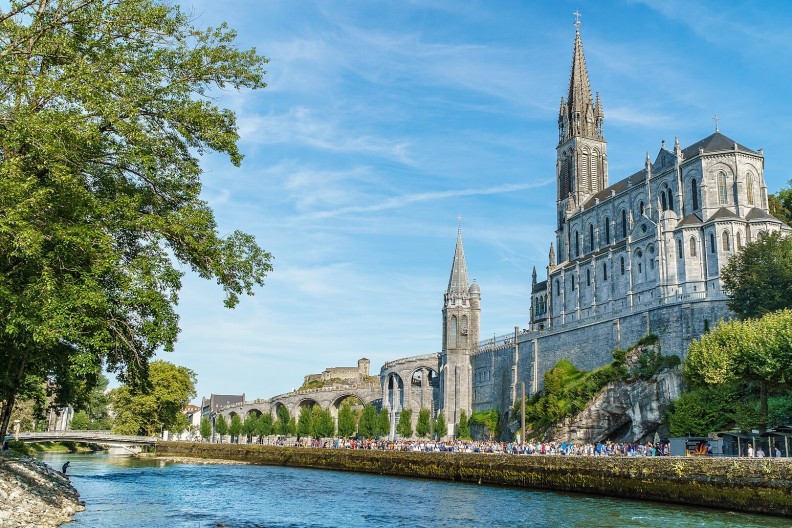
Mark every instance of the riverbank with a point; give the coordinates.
(34, 494)
(747, 485)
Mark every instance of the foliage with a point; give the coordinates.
(147, 412)
(20, 447)
(323, 426)
(107, 106)
(368, 426)
(283, 424)
(489, 419)
(757, 351)
(249, 425)
(221, 426)
(780, 205)
(235, 428)
(304, 421)
(651, 362)
(94, 413)
(463, 427)
(264, 425)
(423, 426)
(702, 411)
(758, 278)
(346, 421)
(205, 429)
(440, 426)
(383, 423)
(404, 426)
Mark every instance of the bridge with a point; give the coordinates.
(89, 437)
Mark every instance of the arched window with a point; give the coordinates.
(452, 333)
(712, 243)
(591, 237)
(463, 331)
(558, 288)
(573, 283)
(639, 268)
(577, 244)
(663, 203)
(593, 172)
(588, 277)
(624, 223)
(726, 246)
(622, 265)
(670, 200)
(585, 181)
(694, 193)
(739, 241)
(679, 247)
(749, 185)
(604, 271)
(723, 195)
(651, 263)
(692, 246)
(641, 208)
(607, 230)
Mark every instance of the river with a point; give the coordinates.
(125, 492)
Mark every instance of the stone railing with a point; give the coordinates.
(412, 359)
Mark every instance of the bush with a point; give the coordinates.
(19, 447)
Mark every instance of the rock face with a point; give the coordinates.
(623, 411)
(34, 494)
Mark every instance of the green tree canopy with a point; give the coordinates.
(489, 419)
(205, 429)
(346, 421)
(368, 426)
(304, 422)
(440, 426)
(264, 425)
(404, 426)
(106, 108)
(221, 426)
(159, 406)
(383, 423)
(323, 426)
(463, 427)
(758, 278)
(781, 205)
(94, 412)
(235, 428)
(423, 426)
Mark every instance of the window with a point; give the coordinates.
(694, 193)
(591, 237)
(739, 241)
(558, 288)
(639, 268)
(651, 264)
(622, 265)
(712, 243)
(607, 230)
(723, 195)
(726, 246)
(692, 246)
(588, 277)
(679, 248)
(641, 208)
(670, 200)
(577, 244)
(452, 334)
(624, 223)
(573, 283)
(663, 203)
(749, 185)
(604, 271)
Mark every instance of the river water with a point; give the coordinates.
(125, 492)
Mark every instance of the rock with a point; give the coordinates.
(34, 495)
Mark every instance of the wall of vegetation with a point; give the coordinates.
(749, 485)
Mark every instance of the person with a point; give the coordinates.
(759, 452)
(750, 451)
(65, 466)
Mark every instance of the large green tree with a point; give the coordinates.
(106, 107)
(205, 428)
(94, 412)
(440, 426)
(463, 427)
(159, 407)
(758, 279)
(781, 204)
(304, 421)
(264, 426)
(346, 421)
(368, 426)
(221, 426)
(235, 428)
(756, 351)
(404, 426)
(423, 426)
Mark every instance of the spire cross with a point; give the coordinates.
(716, 122)
(577, 19)
(459, 222)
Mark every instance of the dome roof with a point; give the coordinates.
(474, 288)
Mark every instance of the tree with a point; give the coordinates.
(440, 427)
(463, 427)
(96, 409)
(489, 419)
(304, 422)
(264, 426)
(235, 428)
(756, 351)
(205, 428)
(282, 425)
(404, 426)
(249, 426)
(150, 411)
(323, 426)
(383, 423)
(368, 426)
(423, 426)
(346, 421)
(780, 205)
(107, 106)
(221, 426)
(758, 279)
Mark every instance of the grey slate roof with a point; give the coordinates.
(458, 281)
(690, 220)
(758, 214)
(540, 286)
(713, 143)
(723, 214)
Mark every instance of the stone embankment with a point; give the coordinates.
(34, 494)
(748, 485)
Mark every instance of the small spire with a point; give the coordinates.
(552, 255)
(533, 276)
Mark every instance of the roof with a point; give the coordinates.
(723, 214)
(690, 220)
(760, 214)
(540, 286)
(713, 143)
(458, 281)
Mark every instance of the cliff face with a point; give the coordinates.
(624, 411)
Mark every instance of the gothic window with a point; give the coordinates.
(591, 237)
(692, 246)
(558, 288)
(624, 223)
(679, 247)
(588, 277)
(641, 208)
(694, 193)
(585, 182)
(604, 271)
(726, 241)
(577, 244)
(463, 331)
(639, 268)
(573, 283)
(452, 333)
(607, 230)
(663, 203)
(593, 172)
(622, 265)
(749, 184)
(723, 195)
(712, 243)
(739, 241)
(670, 200)
(651, 264)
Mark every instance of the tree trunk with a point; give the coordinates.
(10, 400)
(763, 412)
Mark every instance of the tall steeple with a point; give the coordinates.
(458, 281)
(579, 110)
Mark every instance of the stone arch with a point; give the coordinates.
(254, 412)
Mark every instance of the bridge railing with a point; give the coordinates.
(87, 436)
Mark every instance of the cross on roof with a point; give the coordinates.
(577, 18)
(716, 122)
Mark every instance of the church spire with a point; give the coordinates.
(458, 282)
(583, 116)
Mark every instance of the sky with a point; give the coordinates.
(385, 122)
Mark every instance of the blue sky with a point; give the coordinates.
(384, 121)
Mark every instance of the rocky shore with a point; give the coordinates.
(34, 494)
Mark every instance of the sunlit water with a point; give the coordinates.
(123, 492)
